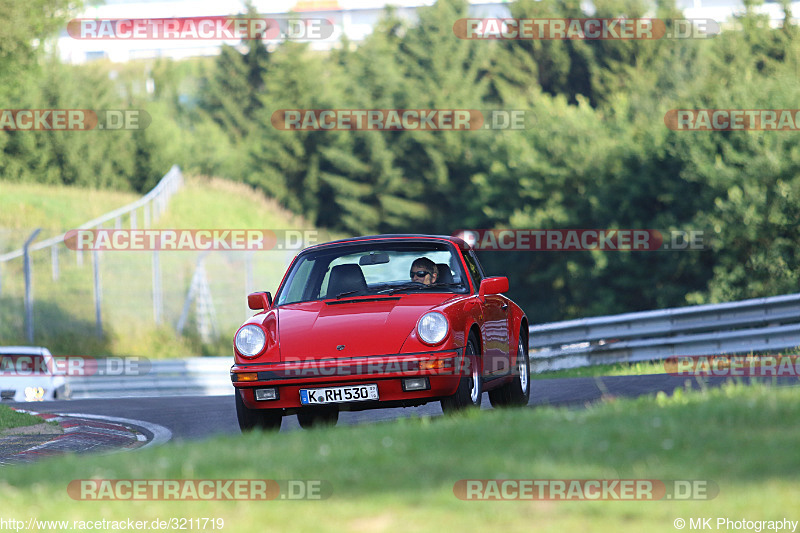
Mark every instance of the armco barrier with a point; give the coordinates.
(756, 325)
(201, 376)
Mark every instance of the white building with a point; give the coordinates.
(354, 18)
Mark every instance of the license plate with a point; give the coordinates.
(353, 393)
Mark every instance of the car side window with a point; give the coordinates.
(474, 268)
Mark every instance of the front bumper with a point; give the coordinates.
(443, 370)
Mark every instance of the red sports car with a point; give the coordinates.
(375, 322)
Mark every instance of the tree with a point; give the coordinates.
(231, 95)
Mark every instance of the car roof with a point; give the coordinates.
(24, 350)
(460, 243)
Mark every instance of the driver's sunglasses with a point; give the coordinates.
(419, 274)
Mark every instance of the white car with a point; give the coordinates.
(27, 374)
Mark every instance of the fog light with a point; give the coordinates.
(266, 394)
(410, 384)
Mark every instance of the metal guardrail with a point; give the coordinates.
(204, 376)
(756, 325)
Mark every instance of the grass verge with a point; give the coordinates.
(54, 208)
(400, 476)
(708, 364)
(616, 369)
(10, 418)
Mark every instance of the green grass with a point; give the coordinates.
(616, 369)
(64, 311)
(217, 203)
(10, 418)
(653, 367)
(400, 476)
(54, 208)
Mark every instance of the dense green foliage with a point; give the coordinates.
(599, 154)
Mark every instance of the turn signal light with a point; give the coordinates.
(434, 364)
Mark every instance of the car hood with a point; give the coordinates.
(351, 327)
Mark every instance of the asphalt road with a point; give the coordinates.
(197, 417)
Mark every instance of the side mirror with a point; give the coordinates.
(494, 285)
(259, 300)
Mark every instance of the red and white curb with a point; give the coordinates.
(84, 433)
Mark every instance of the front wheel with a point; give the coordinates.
(249, 419)
(470, 388)
(518, 391)
(62, 393)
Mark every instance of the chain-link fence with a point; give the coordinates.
(143, 302)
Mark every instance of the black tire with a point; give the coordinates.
(250, 419)
(324, 415)
(470, 388)
(517, 392)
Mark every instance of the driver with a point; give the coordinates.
(423, 270)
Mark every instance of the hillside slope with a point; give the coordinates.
(132, 321)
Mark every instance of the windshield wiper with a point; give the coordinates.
(443, 285)
(346, 293)
(403, 287)
(419, 286)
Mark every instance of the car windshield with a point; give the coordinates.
(373, 268)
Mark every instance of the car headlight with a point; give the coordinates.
(34, 394)
(432, 328)
(250, 340)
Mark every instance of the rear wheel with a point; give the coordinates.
(325, 415)
(250, 419)
(518, 391)
(470, 388)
